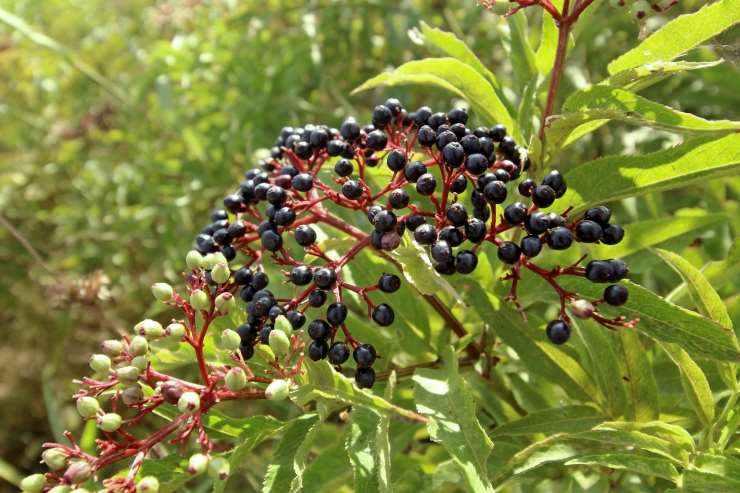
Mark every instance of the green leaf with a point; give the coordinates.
(680, 35)
(611, 103)
(522, 56)
(443, 396)
(638, 78)
(665, 321)
(617, 177)
(325, 383)
(418, 270)
(452, 75)
(640, 464)
(284, 474)
(565, 419)
(694, 383)
(169, 470)
(712, 473)
(642, 391)
(451, 45)
(545, 56)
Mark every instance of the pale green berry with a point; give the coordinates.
(582, 308)
(230, 340)
(189, 402)
(198, 464)
(162, 291)
(218, 258)
(220, 273)
(54, 458)
(235, 379)
(100, 363)
(283, 324)
(199, 300)
(112, 347)
(128, 374)
(175, 331)
(80, 490)
(140, 362)
(77, 472)
(132, 395)
(88, 406)
(109, 422)
(138, 346)
(279, 342)
(225, 302)
(148, 484)
(194, 259)
(60, 489)
(33, 483)
(277, 390)
(150, 328)
(208, 261)
(219, 468)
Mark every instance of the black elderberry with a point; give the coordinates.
(509, 252)
(237, 230)
(484, 180)
(507, 146)
(616, 295)
(497, 133)
(247, 351)
(303, 149)
(324, 278)
(337, 147)
(458, 115)
(459, 184)
(373, 211)
(537, 222)
(422, 115)
(222, 236)
(482, 213)
(556, 181)
(229, 252)
(381, 116)
(385, 220)
(588, 231)
(599, 271)
(319, 329)
(260, 191)
(364, 355)
(265, 334)
(453, 153)
(319, 138)
(271, 241)
(482, 132)
(459, 130)
(305, 235)
(336, 313)
(495, 192)
(234, 203)
(365, 377)
(260, 280)
(478, 200)
(414, 170)
(425, 234)
(376, 140)
(446, 137)
(559, 238)
(318, 349)
(558, 331)
(426, 184)
(383, 315)
(475, 230)
(414, 222)
(470, 144)
(284, 216)
(525, 187)
(246, 189)
(352, 190)
(303, 182)
(247, 293)
(486, 147)
(619, 269)
(543, 196)
(248, 333)
(451, 235)
(276, 195)
(476, 164)
(243, 276)
(554, 220)
(396, 160)
(445, 268)
(515, 213)
(296, 319)
(344, 167)
(426, 136)
(436, 120)
(599, 214)
(275, 312)
(317, 298)
(441, 251)
(219, 215)
(612, 234)
(266, 226)
(531, 246)
(389, 283)
(466, 262)
(338, 353)
(457, 214)
(502, 175)
(350, 130)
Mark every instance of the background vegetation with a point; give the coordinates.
(123, 123)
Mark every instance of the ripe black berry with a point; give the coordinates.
(555, 181)
(234, 203)
(302, 182)
(558, 331)
(619, 268)
(276, 195)
(247, 351)
(459, 184)
(305, 235)
(466, 262)
(385, 220)
(219, 215)
(344, 167)
(599, 271)
(389, 283)
(425, 234)
(537, 222)
(301, 275)
(426, 136)
(365, 377)
(237, 230)
(616, 295)
(414, 170)
(457, 214)
(396, 160)
(475, 230)
(470, 144)
(599, 214)
(531, 246)
(381, 116)
(324, 278)
(350, 130)
(399, 198)
(457, 115)
(284, 216)
(559, 238)
(296, 319)
(248, 333)
(414, 222)
(495, 192)
(394, 105)
(317, 298)
(453, 153)
(243, 276)
(502, 175)
(422, 115)
(271, 241)
(338, 353)
(515, 213)
(222, 236)
(364, 355)
(476, 164)
(543, 196)
(436, 120)
(426, 184)
(442, 251)
(588, 231)
(260, 280)
(336, 313)
(352, 190)
(509, 252)
(376, 140)
(265, 334)
(612, 234)
(445, 137)
(383, 315)
(507, 146)
(319, 329)
(498, 133)
(318, 349)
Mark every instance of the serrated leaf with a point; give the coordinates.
(617, 177)
(642, 391)
(284, 474)
(218, 424)
(611, 103)
(565, 419)
(665, 321)
(452, 75)
(680, 35)
(694, 383)
(712, 473)
(640, 464)
(443, 396)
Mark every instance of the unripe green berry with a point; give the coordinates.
(148, 484)
(100, 363)
(132, 395)
(33, 483)
(189, 402)
(128, 374)
(283, 324)
(279, 342)
(175, 331)
(140, 362)
(199, 300)
(151, 329)
(162, 291)
(198, 464)
(230, 340)
(110, 422)
(60, 489)
(235, 379)
(88, 406)
(54, 458)
(218, 258)
(194, 259)
(77, 472)
(277, 390)
(225, 302)
(138, 346)
(219, 468)
(221, 273)
(112, 347)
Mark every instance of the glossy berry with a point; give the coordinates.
(425, 234)
(381, 116)
(495, 192)
(276, 195)
(555, 181)
(476, 164)
(319, 329)
(396, 160)
(271, 241)
(352, 190)
(451, 235)
(612, 234)
(543, 196)
(338, 353)
(305, 235)
(537, 222)
(414, 170)
(509, 252)
(247, 351)
(389, 283)
(303, 182)
(426, 184)
(558, 331)
(243, 276)
(260, 280)
(531, 246)
(301, 275)
(559, 238)
(466, 262)
(619, 269)
(383, 315)
(459, 184)
(515, 213)
(498, 133)
(475, 230)
(599, 271)
(364, 355)
(344, 167)
(376, 140)
(385, 221)
(457, 214)
(284, 216)
(588, 231)
(318, 349)
(441, 251)
(426, 136)
(336, 314)
(616, 295)
(325, 278)
(365, 377)
(599, 214)
(447, 137)
(317, 298)
(296, 319)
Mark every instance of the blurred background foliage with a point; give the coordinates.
(122, 123)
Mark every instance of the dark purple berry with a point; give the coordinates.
(531, 246)
(338, 353)
(317, 298)
(318, 349)
(453, 153)
(599, 271)
(588, 231)
(365, 377)
(457, 214)
(414, 170)
(475, 230)
(612, 234)
(616, 295)
(376, 140)
(559, 238)
(442, 251)
(466, 262)
(399, 198)
(301, 275)
(509, 252)
(555, 181)
(385, 221)
(271, 241)
(396, 160)
(364, 355)
(383, 315)
(324, 278)
(476, 164)
(599, 214)
(344, 167)
(305, 235)
(543, 196)
(495, 192)
(389, 283)
(319, 329)
(558, 332)
(498, 133)
(426, 184)
(425, 234)
(537, 222)
(296, 319)
(352, 190)
(459, 184)
(336, 313)
(515, 213)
